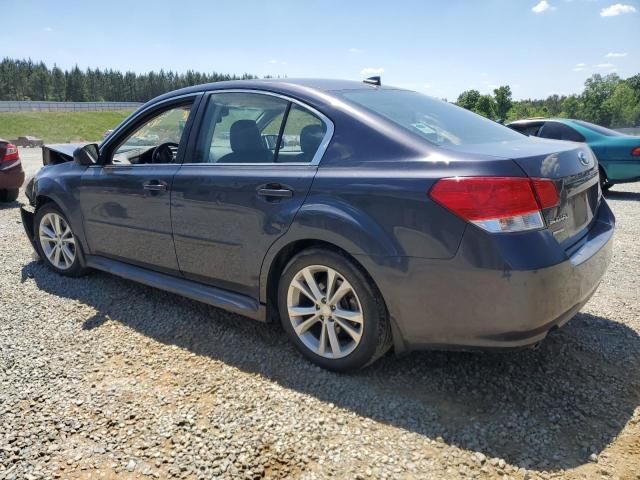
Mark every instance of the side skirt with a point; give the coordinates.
(217, 297)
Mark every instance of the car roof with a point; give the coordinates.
(533, 120)
(285, 86)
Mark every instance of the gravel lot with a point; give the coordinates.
(105, 378)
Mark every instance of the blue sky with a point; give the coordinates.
(438, 47)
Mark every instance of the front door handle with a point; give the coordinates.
(275, 192)
(155, 186)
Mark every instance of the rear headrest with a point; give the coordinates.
(244, 136)
(311, 137)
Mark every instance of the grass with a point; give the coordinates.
(59, 127)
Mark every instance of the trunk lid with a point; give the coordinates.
(574, 170)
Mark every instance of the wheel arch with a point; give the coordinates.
(272, 273)
(49, 191)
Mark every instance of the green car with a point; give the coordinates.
(618, 154)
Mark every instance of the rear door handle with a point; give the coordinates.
(275, 192)
(155, 186)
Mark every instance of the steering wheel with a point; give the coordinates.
(163, 153)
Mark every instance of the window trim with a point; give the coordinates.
(315, 161)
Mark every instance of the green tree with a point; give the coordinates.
(486, 106)
(597, 90)
(570, 107)
(468, 99)
(623, 106)
(503, 101)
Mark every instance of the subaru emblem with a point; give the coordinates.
(584, 160)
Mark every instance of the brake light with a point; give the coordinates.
(635, 152)
(546, 193)
(497, 204)
(11, 153)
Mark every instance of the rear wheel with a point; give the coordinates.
(9, 195)
(57, 244)
(331, 312)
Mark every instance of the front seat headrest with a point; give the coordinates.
(244, 136)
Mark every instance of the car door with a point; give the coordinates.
(254, 159)
(125, 200)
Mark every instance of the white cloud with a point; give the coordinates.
(578, 69)
(615, 55)
(605, 65)
(581, 64)
(372, 71)
(48, 29)
(542, 6)
(617, 9)
(355, 51)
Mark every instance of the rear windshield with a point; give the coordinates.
(437, 121)
(598, 129)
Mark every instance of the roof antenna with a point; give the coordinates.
(373, 81)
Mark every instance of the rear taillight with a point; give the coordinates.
(497, 204)
(635, 152)
(11, 153)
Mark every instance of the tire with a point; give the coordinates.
(605, 185)
(9, 195)
(61, 235)
(356, 323)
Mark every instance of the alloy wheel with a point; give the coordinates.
(325, 311)
(57, 241)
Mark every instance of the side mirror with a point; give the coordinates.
(87, 155)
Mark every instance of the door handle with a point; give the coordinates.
(275, 192)
(155, 186)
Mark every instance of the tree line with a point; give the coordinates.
(608, 100)
(27, 80)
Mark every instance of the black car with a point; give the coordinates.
(364, 217)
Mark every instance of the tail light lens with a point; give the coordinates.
(635, 152)
(497, 204)
(11, 153)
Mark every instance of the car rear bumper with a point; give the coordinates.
(456, 304)
(11, 178)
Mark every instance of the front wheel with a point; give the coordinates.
(56, 242)
(332, 312)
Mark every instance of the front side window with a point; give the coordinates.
(156, 140)
(257, 128)
(436, 121)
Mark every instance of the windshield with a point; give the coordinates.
(437, 121)
(598, 129)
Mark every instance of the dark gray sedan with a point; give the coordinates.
(364, 217)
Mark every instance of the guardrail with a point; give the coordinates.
(28, 106)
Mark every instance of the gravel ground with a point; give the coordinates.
(105, 378)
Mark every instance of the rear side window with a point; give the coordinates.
(531, 129)
(559, 131)
(233, 127)
(302, 136)
(257, 128)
